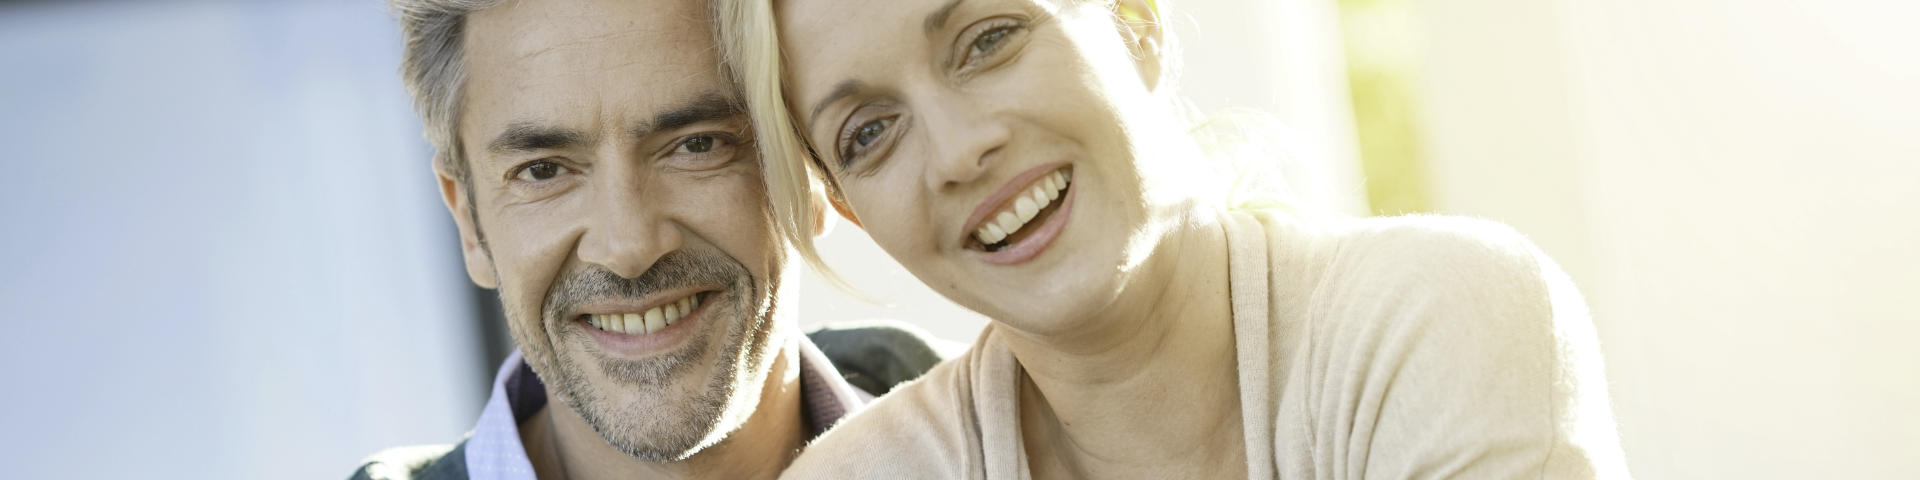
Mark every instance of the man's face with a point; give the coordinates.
(618, 208)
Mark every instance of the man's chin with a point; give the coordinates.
(662, 407)
(656, 419)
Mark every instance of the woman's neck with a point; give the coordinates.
(1151, 389)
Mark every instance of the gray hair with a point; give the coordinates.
(434, 70)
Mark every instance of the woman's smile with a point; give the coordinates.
(1022, 219)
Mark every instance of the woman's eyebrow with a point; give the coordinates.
(939, 17)
(842, 90)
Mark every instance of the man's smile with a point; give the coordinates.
(639, 330)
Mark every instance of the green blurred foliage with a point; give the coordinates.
(1382, 52)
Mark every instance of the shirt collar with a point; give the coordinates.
(494, 451)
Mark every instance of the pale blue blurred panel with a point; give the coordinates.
(222, 252)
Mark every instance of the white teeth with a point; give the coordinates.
(992, 234)
(656, 320)
(1009, 223)
(644, 323)
(651, 317)
(632, 325)
(1024, 208)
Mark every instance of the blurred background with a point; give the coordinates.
(243, 184)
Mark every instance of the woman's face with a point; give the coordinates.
(988, 145)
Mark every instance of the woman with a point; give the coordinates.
(1023, 158)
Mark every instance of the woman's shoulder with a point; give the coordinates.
(1420, 252)
(1447, 318)
(1435, 241)
(1407, 254)
(1417, 271)
(921, 429)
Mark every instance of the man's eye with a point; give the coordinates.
(538, 171)
(704, 151)
(699, 144)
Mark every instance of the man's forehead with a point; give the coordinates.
(577, 63)
(581, 36)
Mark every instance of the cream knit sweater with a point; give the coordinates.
(1410, 347)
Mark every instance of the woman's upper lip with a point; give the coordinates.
(1014, 186)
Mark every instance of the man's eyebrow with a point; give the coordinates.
(839, 91)
(527, 136)
(707, 107)
(939, 17)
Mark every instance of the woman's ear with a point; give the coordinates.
(840, 205)
(1140, 27)
(472, 246)
(817, 206)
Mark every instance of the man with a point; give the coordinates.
(600, 172)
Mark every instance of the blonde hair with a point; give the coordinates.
(750, 45)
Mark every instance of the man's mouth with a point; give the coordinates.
(648, 321)
(1020, 215)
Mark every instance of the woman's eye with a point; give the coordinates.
(869, 133)
(856, 141)
(990, 40)
(538, 171)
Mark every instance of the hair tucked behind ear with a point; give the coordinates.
(750, 46)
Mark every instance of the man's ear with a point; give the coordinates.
(479, 260)
(1140, 27)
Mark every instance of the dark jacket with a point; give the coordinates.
(874, 357)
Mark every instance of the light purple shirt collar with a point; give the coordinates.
(494, 451)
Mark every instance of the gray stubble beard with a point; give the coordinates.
(665, 424)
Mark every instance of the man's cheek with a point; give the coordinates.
(527, 272)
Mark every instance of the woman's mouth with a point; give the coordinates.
(1022, 211)
(1018, 218)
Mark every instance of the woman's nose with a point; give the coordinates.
(966, 145)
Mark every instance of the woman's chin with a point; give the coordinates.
(1073, 310)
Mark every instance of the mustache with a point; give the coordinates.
(674, 270)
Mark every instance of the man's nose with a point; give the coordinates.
(966, 142)
(628, 229)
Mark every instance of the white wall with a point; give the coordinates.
(222, 256)
(1733, 185)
